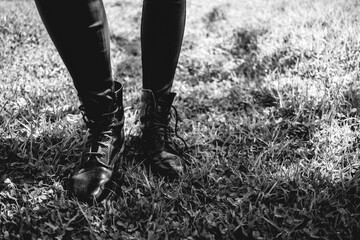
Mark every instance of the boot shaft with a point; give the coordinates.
(154, 121)
(105, 127)
(98, 108)
(155, 111)
(97, 104)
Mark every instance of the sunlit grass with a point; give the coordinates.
(268, 95)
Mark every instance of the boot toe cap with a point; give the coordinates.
(167, 164)
(91, 185)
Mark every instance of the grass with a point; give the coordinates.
(268, 94)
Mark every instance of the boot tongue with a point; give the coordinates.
(94, 145)
(163, 105)
(155, 108)
(98, 108)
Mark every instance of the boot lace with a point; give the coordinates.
(165, 131)
(100, 130)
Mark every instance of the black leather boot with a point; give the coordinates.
(104, 116)
(156, 135)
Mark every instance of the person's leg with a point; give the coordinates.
(79, 30)
(163, 23)
(162, 30)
